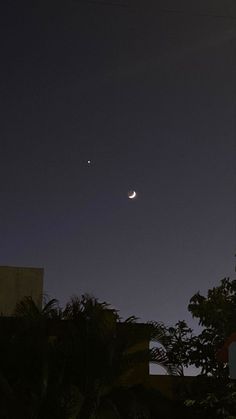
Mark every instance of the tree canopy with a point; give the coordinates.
(216, 313)
(75, 363)
(84, 361)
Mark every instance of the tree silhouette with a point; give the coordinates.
(73, 363)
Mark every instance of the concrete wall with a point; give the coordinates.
(17, 283)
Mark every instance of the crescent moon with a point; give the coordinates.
(132, 195)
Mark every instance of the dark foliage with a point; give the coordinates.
(74, 363)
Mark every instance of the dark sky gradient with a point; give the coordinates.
(149, 97)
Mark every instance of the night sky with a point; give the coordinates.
(149, 97)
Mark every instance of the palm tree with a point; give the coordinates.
(28, 309)
(30, 354)
(82, 362)
(106, 353)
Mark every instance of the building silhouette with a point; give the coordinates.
(17, 283)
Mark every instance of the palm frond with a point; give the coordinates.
(159, 356)
(51, 309)
(27, 308)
